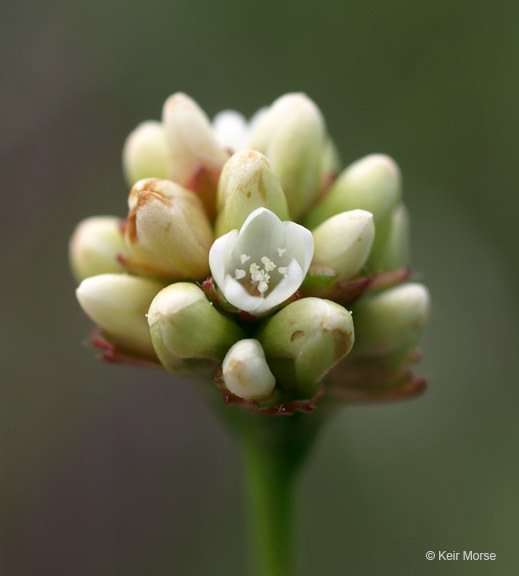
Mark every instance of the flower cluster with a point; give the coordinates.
(248, 255)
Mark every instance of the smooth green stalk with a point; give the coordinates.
(274, 449)
(270, 483)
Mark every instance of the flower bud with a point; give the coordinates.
(330, 164)
(145, 153)
(304, 340)
(94, 247)
(167, 233)
(390, 323)
(118, 303)
(245, 371)
(188, 333)
(196, 157)
(343, 242)
(292, 136)
(231, 130)
(395, 252)
(372, 183)
(247, 183)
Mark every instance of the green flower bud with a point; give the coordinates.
(167, 233)
(245, 371)
(196, 157)
(292, 136)
(303, 341)
(343, 243)
(395, 252)
(373, 184)
(390, 323)
(188, 333)
(330, 164)
(145, 153)
(118, 303)
(94, 247)
(246, 183)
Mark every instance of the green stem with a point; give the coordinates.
(270, 491)
(273, 450)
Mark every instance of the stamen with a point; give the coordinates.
(255, 272)
(239, 274)
(262, 287)
(283, 270)
(281, 251)
(244, 258)
(267, 262)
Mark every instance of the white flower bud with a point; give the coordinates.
(372, 183)
(263, 264)
(188, 333)
(196, 157)
(167, 233)
(231, 130)
(245, 371)
(145, 153)
(292, 136)
(118, 303)
(343, 242)
(247, 183)
(95, 245)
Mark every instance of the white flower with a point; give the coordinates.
(263, 264)
(232, 130)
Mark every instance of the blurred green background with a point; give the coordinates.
(114, 471)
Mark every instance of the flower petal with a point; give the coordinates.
(220, 254)
(300, 244)
(287, 286)
(261, 229)
(238, 296)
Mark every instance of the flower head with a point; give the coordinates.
(263, 264)
(272, 325)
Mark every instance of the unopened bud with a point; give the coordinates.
(390, 322)
(167, 233)
(231, 130)
(188, 333)
(118, 303)
(94, 247)
(395, 251)
(372, 183)
(343, 242)
(292, 136)
(196, 157)
(145, 153)
(245, 371)
(330, 164)
(304, 340)
(247, 183)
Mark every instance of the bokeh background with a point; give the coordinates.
(114, 471)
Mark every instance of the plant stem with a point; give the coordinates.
(269, 483)
(273, 450)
